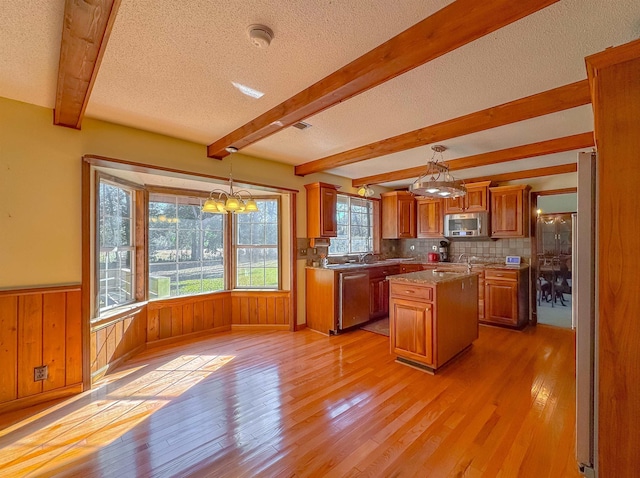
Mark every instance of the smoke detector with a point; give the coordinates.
(260, 35)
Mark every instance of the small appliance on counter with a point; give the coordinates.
(433, 257)
(444, 251)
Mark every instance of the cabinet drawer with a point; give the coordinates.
(382, 272)
(411, 291)
(500, 274)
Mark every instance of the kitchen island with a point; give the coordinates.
(433, 316)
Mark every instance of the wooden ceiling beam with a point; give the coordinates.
(528, 173)
(85, 33)
(547, 102)
(455, 25)
(557, 145)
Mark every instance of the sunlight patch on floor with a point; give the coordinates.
(124, 400)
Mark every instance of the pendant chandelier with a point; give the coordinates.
(236, 202)
(438, 182)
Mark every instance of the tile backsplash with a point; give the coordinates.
(487, 249)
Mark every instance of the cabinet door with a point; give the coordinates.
(379, 298)
(501, 302)
(454, 205)
(507, 214)
(476, 199)
(406, 217)
(411, 330)
(430, 218)
(328, 203)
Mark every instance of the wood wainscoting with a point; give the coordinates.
(115, 340)
(39, 326)
(260, 309)
(173, 318)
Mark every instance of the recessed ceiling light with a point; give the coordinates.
(245, 90)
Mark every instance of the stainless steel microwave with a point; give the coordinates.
(471, 224)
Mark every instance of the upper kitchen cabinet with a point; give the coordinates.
(510, 211)
(398, 215)
(430, 217)
(476, 199)
(322, 199)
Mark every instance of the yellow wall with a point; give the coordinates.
(40, 186)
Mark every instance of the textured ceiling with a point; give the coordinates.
(169, 68)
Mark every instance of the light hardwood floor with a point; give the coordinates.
(301, 404)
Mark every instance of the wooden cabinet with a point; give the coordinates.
(379, 290)
(398, 215)
(510, 213)
(476, 199)
(432, 322)
(506, 297)
(322, 200)
(412, 324)
(405, 268)
(430, 217)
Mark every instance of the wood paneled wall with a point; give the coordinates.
(267, 309)
(39, 327)
(117, 340)
(176, 317)
(613, 76)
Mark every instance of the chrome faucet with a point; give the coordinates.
(363, 257)
(468, 261)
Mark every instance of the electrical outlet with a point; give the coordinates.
(434, 248)
(303, 252)
(40, 373)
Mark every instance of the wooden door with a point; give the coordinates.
(328, 203)
(430, 219)
(476, 198)
(454, 205)
(379, 301)
(501, 302)
(406, 217)
(506, 214)
(411, 330)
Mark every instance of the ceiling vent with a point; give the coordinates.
(301, 125)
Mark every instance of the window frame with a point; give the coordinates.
(137, 248)
(188, 195)
(233, 276)
(374, 226)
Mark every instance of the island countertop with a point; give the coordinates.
(430, 277)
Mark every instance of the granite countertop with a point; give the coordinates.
(365, 265)
(482, 266)
(430, 277)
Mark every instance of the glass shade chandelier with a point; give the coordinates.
(235, 202)
(366, 191)
(438, 182)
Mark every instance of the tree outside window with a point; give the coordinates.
(354, 217)
(116, 259)
(186, 247)
(257, 246)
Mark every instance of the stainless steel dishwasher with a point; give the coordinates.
(354, 298)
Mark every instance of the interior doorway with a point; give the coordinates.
(553, 261)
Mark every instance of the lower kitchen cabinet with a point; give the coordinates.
(506, 297)
(432, 317)
(412, 325)
(379, 290)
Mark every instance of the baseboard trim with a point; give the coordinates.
(47, 396)
(192, 335)
(98, 374)
(259, 327)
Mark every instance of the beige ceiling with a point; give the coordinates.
(169, 68)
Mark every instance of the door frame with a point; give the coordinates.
(533, 320)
